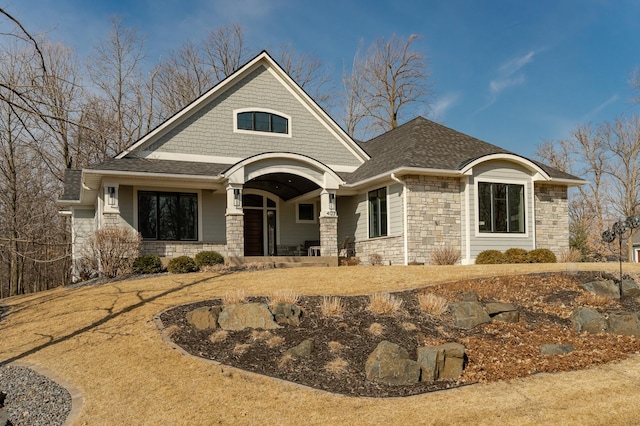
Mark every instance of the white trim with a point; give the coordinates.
(369, 237)
(528, 164)
(405, 218)
(261, 133)
(152, 175)
(497, 235)
(467, 206)
(264, 208)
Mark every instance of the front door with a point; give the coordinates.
(253, 232)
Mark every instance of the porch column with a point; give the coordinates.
(234, 222)
(328, 224)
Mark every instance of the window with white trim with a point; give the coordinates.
(306, 213)
(377, 200)
(260, 121)
(501, 208)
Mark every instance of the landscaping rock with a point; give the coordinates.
(505, 312)
(453, 361)
(625, 323)
(585, 319)
(286, 313)
(468, 314)
(302, 350)
(469, 296)
(431, 360)
(606, 288)
(389, 363)
(204, 318)
(246, 315)
(630, 288)
(4, 417)
(556, 349)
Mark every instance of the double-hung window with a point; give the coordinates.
(501, 208)
(168, 215)
(377, 200)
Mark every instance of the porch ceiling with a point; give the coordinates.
(284, 185)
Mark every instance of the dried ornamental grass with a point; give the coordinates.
(219, 336)
(337, 366)
(335, 346)
(275, 341)
(257, 335)
(432, 304)
(234, 297)
(384, 303)
(376, 329)
(240, 348)
(332, 306)
(283, 296)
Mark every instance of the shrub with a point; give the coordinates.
(570, 256)
(375, 259)
(208, 258)
(516, 255)
(111, 251)
(384, 303)
(147, 264)
(444, 255)
(490, 257)
(350, 261)
(541, 256)
(181, 265)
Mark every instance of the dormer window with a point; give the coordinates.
(262, 121)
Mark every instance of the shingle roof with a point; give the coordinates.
(144, 165)
(72, 185)
(423, 143)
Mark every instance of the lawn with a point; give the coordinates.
(103, 340)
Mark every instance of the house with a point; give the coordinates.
(254, 167)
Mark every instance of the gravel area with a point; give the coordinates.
(33, 399)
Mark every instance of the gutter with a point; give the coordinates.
(404, 217)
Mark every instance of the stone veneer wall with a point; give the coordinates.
(390, 248)
(110, 220)
(433, 218)
(235, 235)
(180, 248)
(329, 235)
(552, 217)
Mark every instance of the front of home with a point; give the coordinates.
(255, 168)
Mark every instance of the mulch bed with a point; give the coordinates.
(495, 351)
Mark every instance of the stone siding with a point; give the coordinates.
(172, 249)
(434, 215)
(552, 217)
(235, 235)
(329, 236)
(390, 248)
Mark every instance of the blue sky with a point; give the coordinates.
(513, 73)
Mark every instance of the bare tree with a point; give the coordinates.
(352, 106)
(394, 77)
(225, 50)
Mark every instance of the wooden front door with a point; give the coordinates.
(253, 233)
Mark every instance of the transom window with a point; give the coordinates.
(263, 122)
(377, 200)
(501, 208)
(168, 215)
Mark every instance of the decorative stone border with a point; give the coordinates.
(76, 396)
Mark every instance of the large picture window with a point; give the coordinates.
(262, 122)
(168, 215)
(501, 208)
(378, 213)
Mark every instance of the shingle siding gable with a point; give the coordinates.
(209, 131)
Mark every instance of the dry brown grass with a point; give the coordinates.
(332, 306)
(376, 329)
(595, 300)
(101, 339)
(218, 336)
(337, 366)
(409, 326)
(335, 347)
(275, 341)
(240, 348)
(432, 304)
(384, 303)
(285, 361)
(233, 297)
(259, 335)
(283, 296)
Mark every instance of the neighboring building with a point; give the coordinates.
(254, 167)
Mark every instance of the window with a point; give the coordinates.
(378, 213)
(306, 212)
(168, 216)
(262, 122)
(501, 208)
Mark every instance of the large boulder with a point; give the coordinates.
(204, 318)
(589, 320)
(453, 360)
(286, 313)
(389, 363)
(246, 315)
(302, 350)
(625, 323)
(606, 288)
(467, 315)
(505, 312)
(630, 288)
(431, 360)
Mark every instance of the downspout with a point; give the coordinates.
(404, 217)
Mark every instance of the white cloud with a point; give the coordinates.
(515, 64)
(443, 104)
(598, 108)
(498, 85)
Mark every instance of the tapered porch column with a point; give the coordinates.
(235, 221)
(328, 224)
